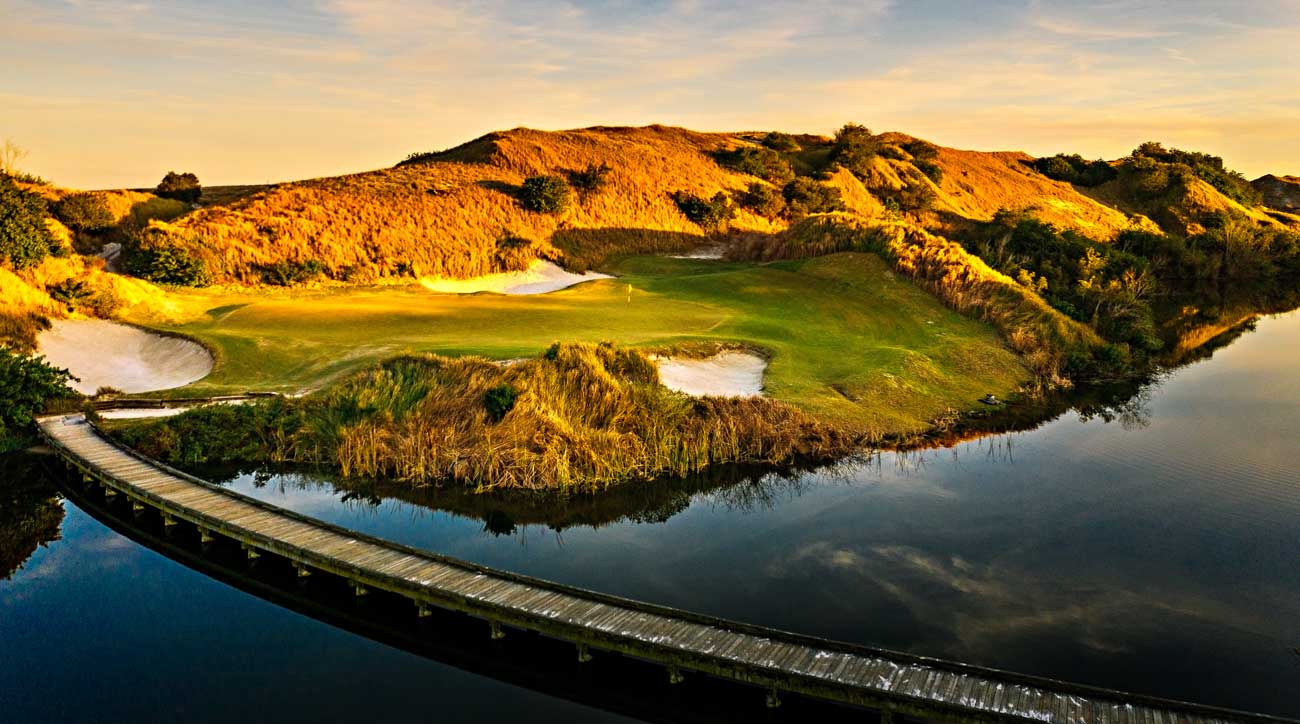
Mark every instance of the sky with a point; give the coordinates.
(107, 93)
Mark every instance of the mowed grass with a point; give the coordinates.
(849, 341)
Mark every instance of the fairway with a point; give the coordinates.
(848, 340)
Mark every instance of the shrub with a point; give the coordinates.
(514, 253)
(782, 142)
(24, 239)
(287, 273)
(855, 147)
(763, 200)
(26, 384)
(165, 264)
(707, 213)
(1075, 169)
(72, 292)
(590, 180)
(805, 196)
(544, 194)
(180, 186)
(1205, 167)
(499, 401)
(84, 212)
(761, 162)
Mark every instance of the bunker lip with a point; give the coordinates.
(731, 373)
(539, 278)
(107, 354)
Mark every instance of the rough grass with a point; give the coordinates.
(849, 341)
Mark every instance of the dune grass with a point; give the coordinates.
(849, 341)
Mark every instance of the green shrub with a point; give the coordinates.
(783, 142)
(591, 179)
(761, 162)
(84, 212)
(499, 401)
(24, 239)
(1075, 169)
(544, 194)
(855, 147)
(26, 385)
(180, 186)
(707, 213)
(763, 200)
(164, 264)
(287, 273)
(1205, 167)
(805, 196)
(72, 292)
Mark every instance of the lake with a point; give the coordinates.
(1153, 548)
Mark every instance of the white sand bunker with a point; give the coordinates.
(105, 354)
(726, 374)
(540, 277)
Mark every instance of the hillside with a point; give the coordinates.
(1280, 192)
(450, 213)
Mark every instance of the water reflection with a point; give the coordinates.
(30, 513)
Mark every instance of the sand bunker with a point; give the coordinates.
(541, 277)
(105, 354)
(726, 374)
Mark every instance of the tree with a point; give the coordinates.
(26, 384)
(761, 162)
(24, 239)
(706, 213)
(855, 148)
(84, 212)
(544, 194)
(180, 186)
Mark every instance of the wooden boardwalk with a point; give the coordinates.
(776, 661)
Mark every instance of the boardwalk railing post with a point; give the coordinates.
(252, 552)
(495, 631)
(773, 699)
(584, 654)
(205, 535)
(675, 675)
(422, 611)
(302, 569)
(137, 506)
(359, 589)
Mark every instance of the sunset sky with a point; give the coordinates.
(108, 94)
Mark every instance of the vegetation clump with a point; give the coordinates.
(762, 162)
(281, 274)
(710, 214)
(25, 240)
(545, 194)
(805, 196)
(591, 179)
(1153, 161)
(26, 385)
(151, 257)
(590, 417)
(86, 212)
(180, 186)
(783, 142)
(762, 199)
(1075, 169)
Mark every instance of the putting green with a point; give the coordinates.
(849, 340)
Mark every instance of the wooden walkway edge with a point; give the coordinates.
(775, 661)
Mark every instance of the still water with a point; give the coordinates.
(1155, 550)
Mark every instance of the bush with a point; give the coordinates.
(84, 212)
(590, 180)
(514, 253)
(165, 264)
(180, 186)
(805, 196)
(761, 162)
(763, 200)
(24, 239)
(707, 213)
(499, 401)
(1205, 167)
(855, 147)
(287, 273)
(26, 384)
(72, 292)
(1075, 169)
(544, 194)
(782, 142)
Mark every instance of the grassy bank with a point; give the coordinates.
(850, 342)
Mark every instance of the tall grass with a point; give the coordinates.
(443, 216)
(587, 417)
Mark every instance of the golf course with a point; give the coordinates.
(848, 340)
